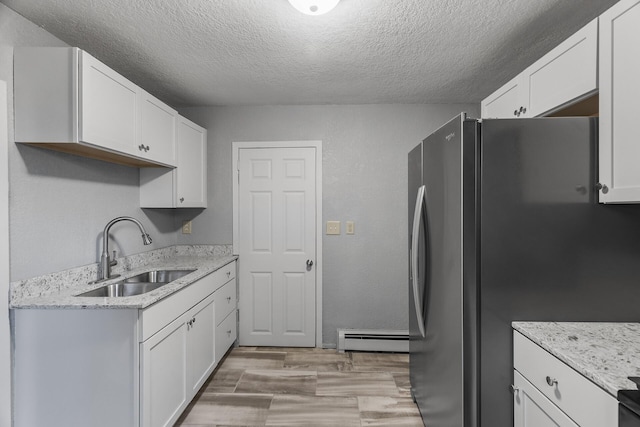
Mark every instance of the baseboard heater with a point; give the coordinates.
(373, 340)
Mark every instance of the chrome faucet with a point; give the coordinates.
(106, 262)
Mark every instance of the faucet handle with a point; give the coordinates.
(113, 259)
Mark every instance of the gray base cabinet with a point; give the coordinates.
(122, 367)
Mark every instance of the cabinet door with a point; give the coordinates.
(567, 73)
(108, 107)
(200, 344)
(510, 101)
(157, 130)
(164, 375)
(192, 165)
(619, 145)
(532, 409)
(226, 334)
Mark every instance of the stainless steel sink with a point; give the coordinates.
(158, 276)
(137, 285)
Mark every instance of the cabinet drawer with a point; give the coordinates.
(225, 335)
(586, 403)
(225, 299)
(224, 274)
(155, 317)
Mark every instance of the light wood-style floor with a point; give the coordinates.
(305, 387)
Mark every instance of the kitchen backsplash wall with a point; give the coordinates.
(365, 179)
(59, 204)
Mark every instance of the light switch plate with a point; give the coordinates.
(351, 227)
(333, 227)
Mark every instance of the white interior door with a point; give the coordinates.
(277, 246)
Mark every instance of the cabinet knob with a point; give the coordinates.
(515, 112)
(524, 110)
(181, 199)
(602, 187)
(229, 332)
(551, 381)
(148, 148)
(228, 299)
(514, 389)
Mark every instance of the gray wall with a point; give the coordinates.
(59, 204)
(365, 179)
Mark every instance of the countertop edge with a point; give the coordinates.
(66, 300)
(598, 354)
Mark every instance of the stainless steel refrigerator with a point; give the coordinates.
(504, 225)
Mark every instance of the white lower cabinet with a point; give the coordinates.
(547, 392)
(175, 362)
(164, 375)
(122, 367)
(533, 409)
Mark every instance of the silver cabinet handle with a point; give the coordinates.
(551, 381)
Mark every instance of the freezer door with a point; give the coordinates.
(437, 359)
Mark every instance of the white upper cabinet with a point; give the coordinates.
(510, 101)
(567, 73)
(563, 76)
(157, 130)
(108, 106)
(66, 100)
(186, 185)
(619, 143)
(192, 165)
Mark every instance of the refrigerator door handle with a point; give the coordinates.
(415, 237)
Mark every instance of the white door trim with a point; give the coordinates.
(236, 147)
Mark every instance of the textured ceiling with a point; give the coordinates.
(238, 52)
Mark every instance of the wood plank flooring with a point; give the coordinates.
(305, 387)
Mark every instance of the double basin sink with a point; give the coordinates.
(137, 285)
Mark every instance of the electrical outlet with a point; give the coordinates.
(186, 227)
(351, 227)
(333, 227)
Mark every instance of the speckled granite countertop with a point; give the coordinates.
(605, 353)
(58, 290)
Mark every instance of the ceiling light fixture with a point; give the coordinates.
(314, 7)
